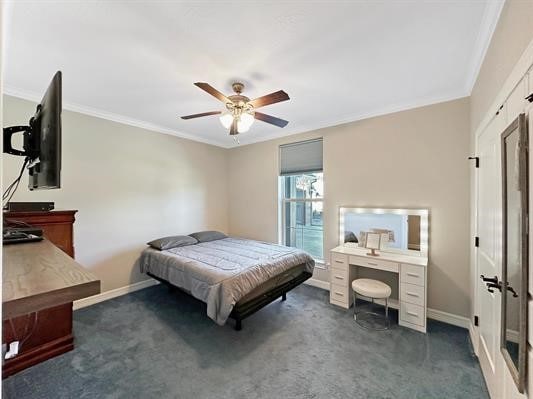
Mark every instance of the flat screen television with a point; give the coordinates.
(42, 140)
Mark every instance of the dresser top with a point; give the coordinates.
(388, 256)
(38, 275)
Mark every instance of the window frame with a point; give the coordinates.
(282, 201)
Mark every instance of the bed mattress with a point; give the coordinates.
(224, 272)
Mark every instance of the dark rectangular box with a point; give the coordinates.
(30, 206)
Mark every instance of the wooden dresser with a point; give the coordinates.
(58, 226)
(40, 280)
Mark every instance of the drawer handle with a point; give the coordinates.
(339, 277)
(412, 294)
(339, 261)
(372, 263)
(339, 294)
(412, 314)
(413, 274)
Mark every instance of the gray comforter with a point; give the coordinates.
(221, 272)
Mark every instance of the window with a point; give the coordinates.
(302, 197)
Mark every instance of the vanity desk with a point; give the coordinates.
(408, 228)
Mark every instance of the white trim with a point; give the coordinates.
(34, 97)
(434, 314)
(327, 123)
(489, 21)
(317, 283)
(474, 337)
(97, 113)
(104, 296)
(520, 70)
(448, 318)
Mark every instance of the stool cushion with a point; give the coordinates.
(371, 288)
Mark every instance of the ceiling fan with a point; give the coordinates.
(240, 110)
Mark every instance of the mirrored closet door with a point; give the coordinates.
(515, 248)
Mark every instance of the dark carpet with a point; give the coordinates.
(158, 343)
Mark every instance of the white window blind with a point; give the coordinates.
(301, 157)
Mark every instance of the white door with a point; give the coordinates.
(488, 254)
(488, 259)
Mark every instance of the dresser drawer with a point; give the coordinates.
(339, 261)
(412, 294)
(413, 314)
(413, 274)
(339, 277)
(339, 294)
(374, 263)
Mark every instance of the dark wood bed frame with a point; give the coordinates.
(246, 309)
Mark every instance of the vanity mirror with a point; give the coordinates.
(513, 286)
(402, 230)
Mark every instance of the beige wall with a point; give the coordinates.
(415, 158)
(129, 185)
(512, 35)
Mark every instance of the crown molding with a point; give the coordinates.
(82, 109)
(327, 123)
(30, 96)
(489, 21)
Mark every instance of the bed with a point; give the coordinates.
(235, 277)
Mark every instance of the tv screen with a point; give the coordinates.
(44, 139)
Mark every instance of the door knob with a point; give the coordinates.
(511, 289)
(493, 280)
(490, 287)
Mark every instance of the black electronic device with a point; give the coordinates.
(41, 141)
(21, 235)
(29, 206)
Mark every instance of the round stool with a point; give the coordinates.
(373, 289)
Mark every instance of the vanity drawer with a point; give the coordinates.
(412, 294)
(339, 294)
(339, 261)
(339, 277)
(374, 263)
(413, 314)
(413, 274)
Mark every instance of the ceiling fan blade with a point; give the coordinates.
(200, 115)
(271, 119)
(271, 98)
(214, 92)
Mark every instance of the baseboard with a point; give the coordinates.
(474, 337)
(317, 283)
(439, 315)
(434, 314)
(448, 318)
(104, 296)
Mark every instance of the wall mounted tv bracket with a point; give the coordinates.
(31, 141)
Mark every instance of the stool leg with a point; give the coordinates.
(387, 308)
(354, 299)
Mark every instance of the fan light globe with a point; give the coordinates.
(226, 119)
(245, 122)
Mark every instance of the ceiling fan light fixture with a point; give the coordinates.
(226, 119)
(245, 122)
(240, 113)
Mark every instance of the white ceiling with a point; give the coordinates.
(135, 62)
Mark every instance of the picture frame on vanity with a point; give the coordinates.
(373, 242)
